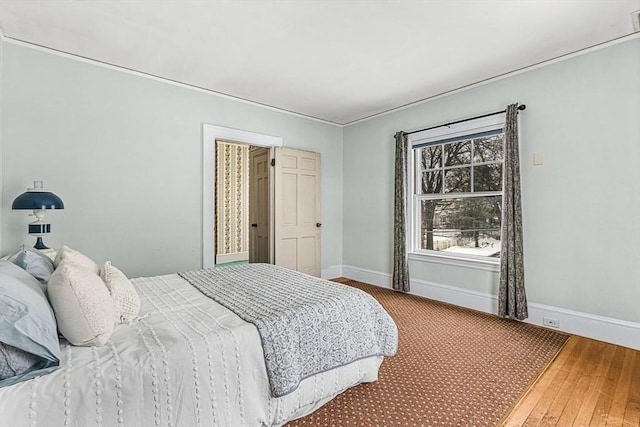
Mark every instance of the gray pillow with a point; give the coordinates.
(27, 321)
(14, 361)
(34, 262)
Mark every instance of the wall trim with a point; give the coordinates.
(607, 329)
(331, 272)
(234, 257)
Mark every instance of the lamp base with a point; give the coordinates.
(39, 244)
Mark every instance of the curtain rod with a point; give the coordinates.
(520, 107)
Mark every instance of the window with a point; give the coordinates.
(455, 189)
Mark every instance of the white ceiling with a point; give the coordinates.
(338, 61)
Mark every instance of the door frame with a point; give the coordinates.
(211, 134)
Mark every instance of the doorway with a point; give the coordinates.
(242, 202)
(290, 231)
(211, 134)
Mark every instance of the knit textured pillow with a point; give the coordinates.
(82, 304)
(66, 253)
(125, 297)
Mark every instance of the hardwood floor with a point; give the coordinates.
(590, 383)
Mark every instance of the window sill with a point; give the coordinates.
(458, 261)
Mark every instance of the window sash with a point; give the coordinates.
(460, 138)
(469, 130)
(416, 232)
(437, 196)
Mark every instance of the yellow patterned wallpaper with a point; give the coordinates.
(232, 193)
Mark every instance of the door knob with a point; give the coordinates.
(254, 225)
(318, 225)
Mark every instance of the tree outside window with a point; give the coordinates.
(459, 193)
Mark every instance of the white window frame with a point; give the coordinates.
(483, 124)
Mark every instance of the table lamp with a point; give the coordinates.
(38, 200)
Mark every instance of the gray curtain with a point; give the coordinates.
(512, 299)
(400, 267)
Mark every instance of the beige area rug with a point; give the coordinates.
(454, 367)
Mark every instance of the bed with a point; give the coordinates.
(188, 360)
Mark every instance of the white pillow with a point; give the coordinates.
(82, 304)
(125, 297)
(76, 257)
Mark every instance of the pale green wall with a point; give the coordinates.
(125, 154)
(581, 208)
(1, 133)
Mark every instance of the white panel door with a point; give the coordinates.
(297, 210)
(259, 160)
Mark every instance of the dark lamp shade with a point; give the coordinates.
(36, 200)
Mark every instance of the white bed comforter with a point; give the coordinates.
(187, 361)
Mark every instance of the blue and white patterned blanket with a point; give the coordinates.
(307, 325)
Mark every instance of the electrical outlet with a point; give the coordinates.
(552, 323)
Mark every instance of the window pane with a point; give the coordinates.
(487, 178)
(431, 182)
(458, 153)
(457, 180)
(466, 225)
(431, 157)
(488, 149)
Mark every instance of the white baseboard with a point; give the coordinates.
(600, 328)
(332, 272)
(234, 257)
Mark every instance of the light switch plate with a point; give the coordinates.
(537, 159)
